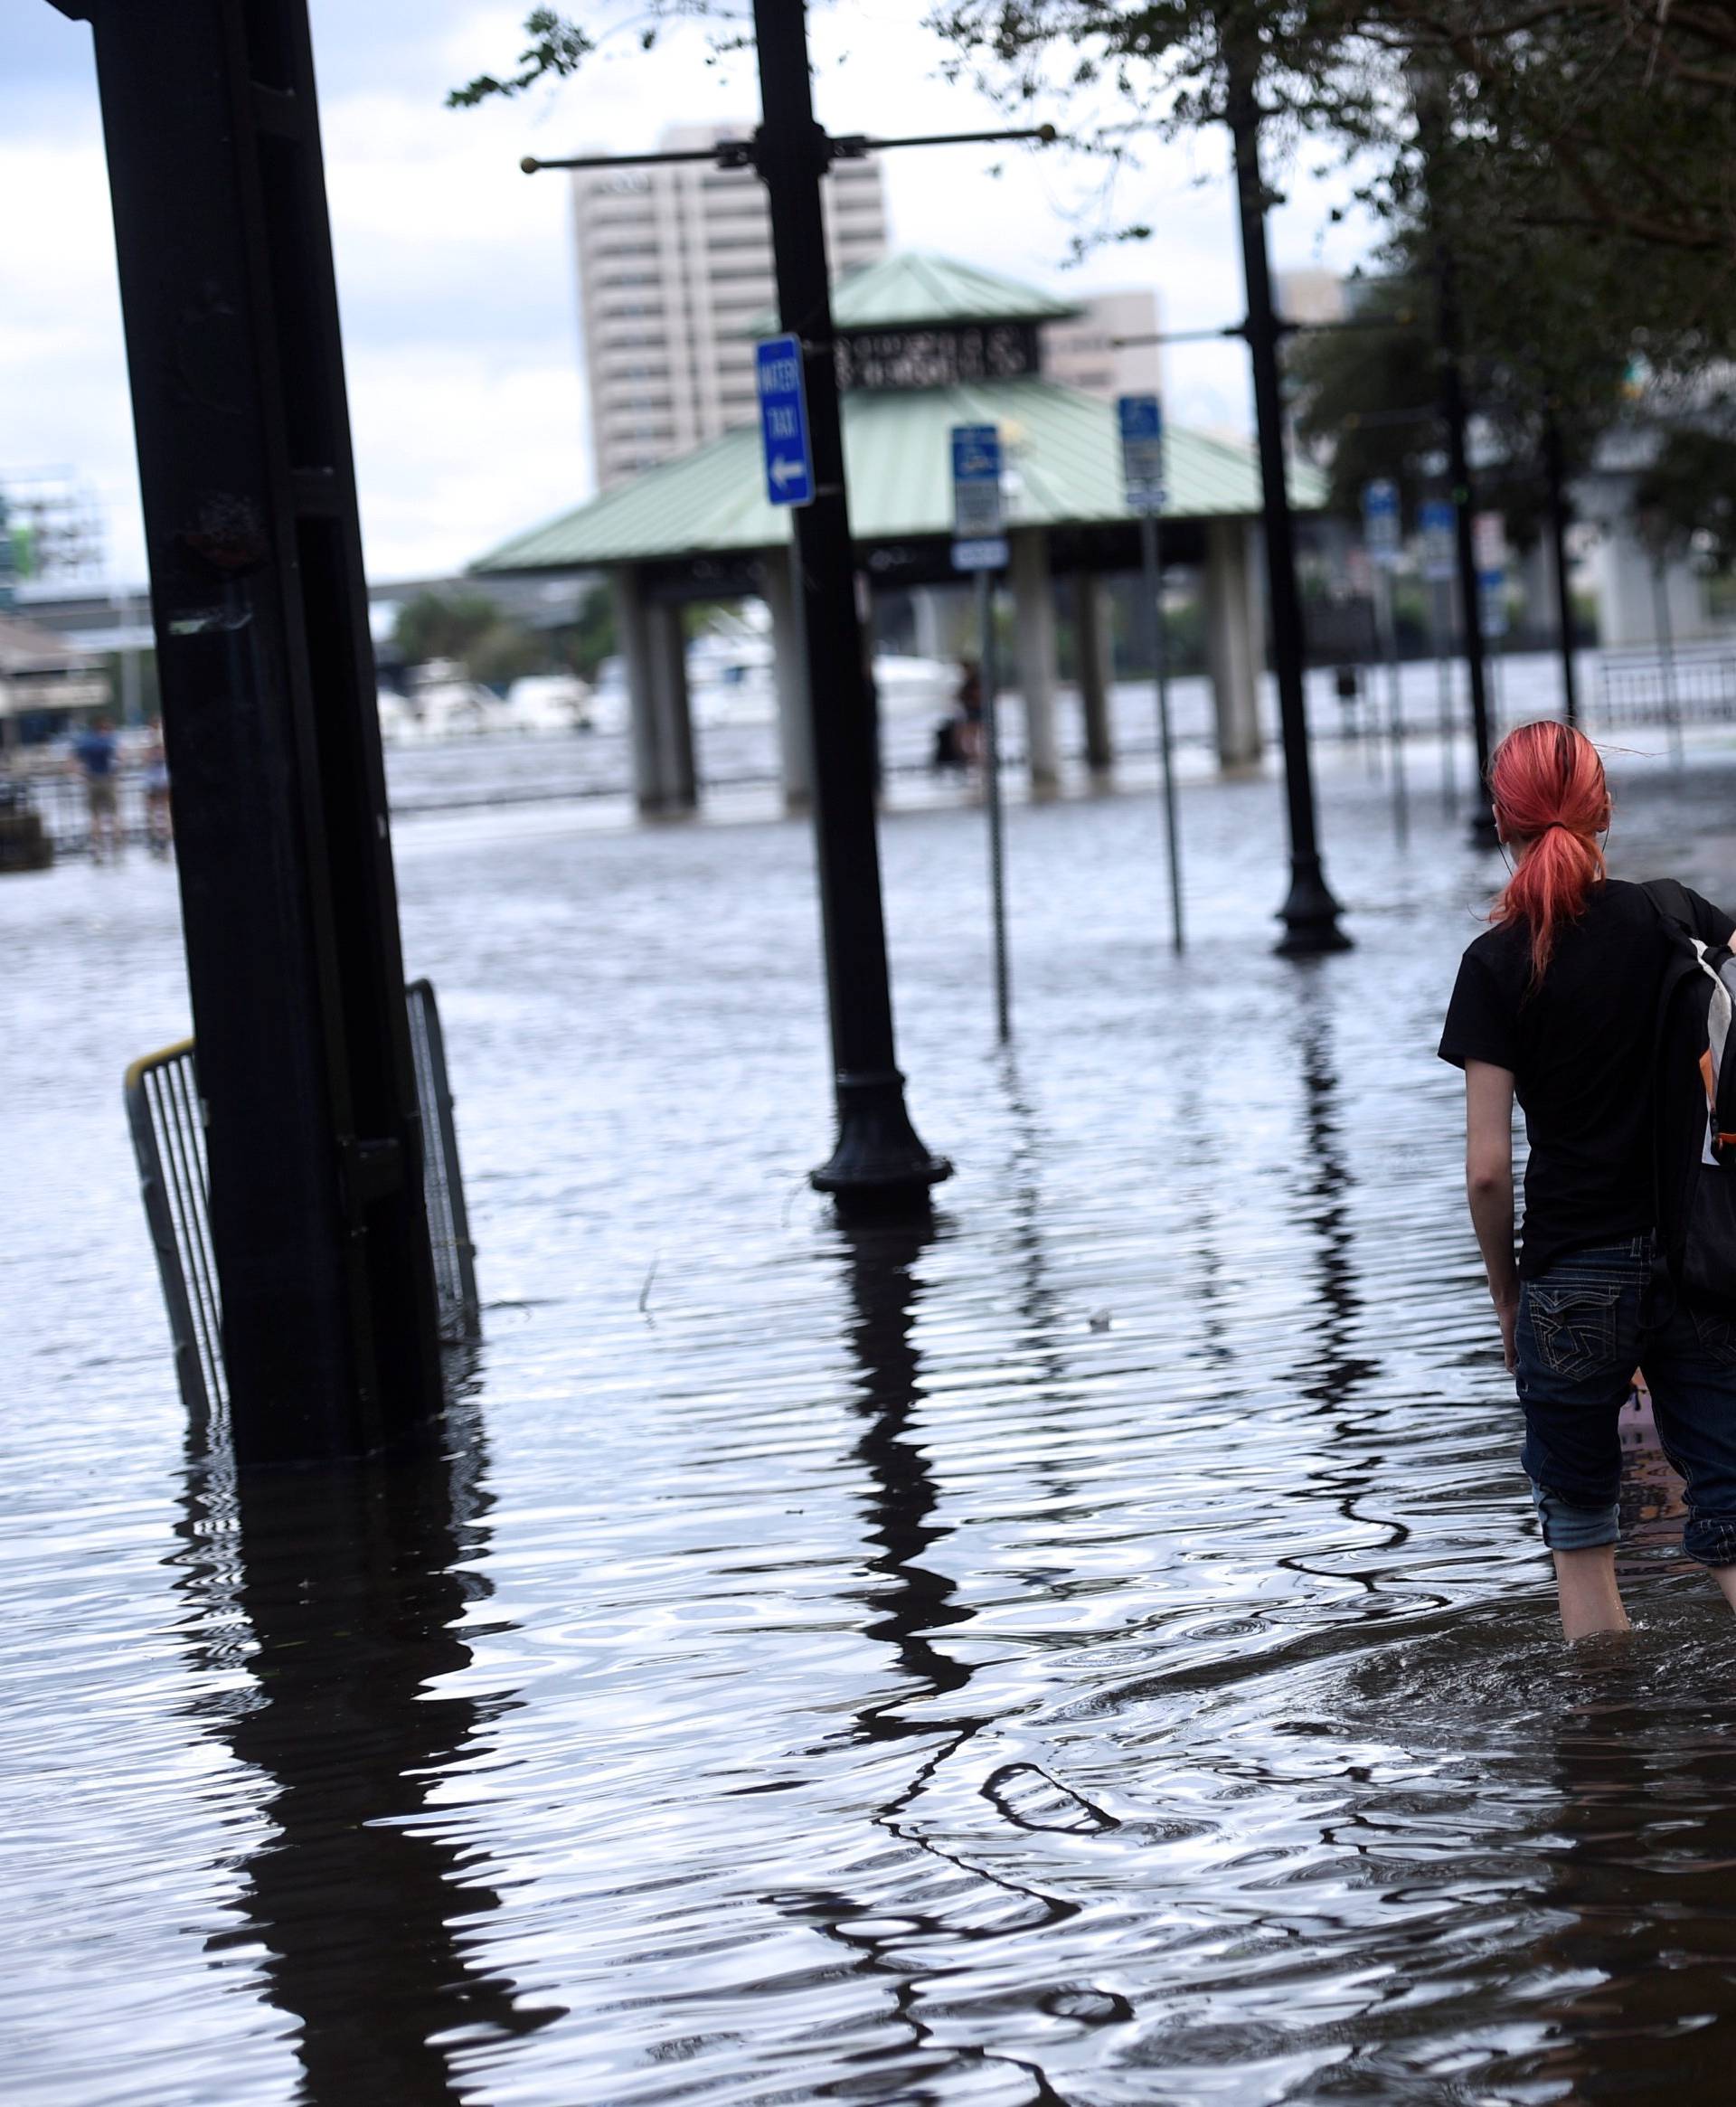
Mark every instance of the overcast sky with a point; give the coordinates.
(456, 270)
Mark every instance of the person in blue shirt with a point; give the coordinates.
(96, 757)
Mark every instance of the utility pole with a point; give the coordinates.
(879, 1163)
(331, 1336)
(1428, 91)
(1310, 912)
(878, 1166)
(1555, 475)
(1463, 494)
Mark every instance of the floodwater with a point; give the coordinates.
(1096, 1651)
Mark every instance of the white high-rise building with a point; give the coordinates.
(675, 269)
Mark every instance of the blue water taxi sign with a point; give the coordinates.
(977, 516)
(1140, 422)
(783, 421)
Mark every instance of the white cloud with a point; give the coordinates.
(457, 447)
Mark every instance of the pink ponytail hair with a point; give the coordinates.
(1552, 802)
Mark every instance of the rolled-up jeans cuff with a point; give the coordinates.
(1572, 1528)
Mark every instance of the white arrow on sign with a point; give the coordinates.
(784, 470)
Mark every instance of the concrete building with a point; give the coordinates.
(1311, 295)
(45, 680)
(674, 267)
(1083, 352)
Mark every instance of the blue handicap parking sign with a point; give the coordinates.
(1439, 528)
(1139, 418)
(976, 481)
(783, 422)
(1381, 533)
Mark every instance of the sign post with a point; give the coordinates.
(1381, 538)
(1665, 632)
(1489, 543)
(1140, 422)
(1439, 564)
(979, 544)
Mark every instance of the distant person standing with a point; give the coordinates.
(160, 827)
(96, 757)
(968, 697)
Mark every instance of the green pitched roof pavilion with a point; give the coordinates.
(916, 290)
(1061, 447)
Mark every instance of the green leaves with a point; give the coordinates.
(557, 49)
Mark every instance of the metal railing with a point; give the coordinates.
(167, 1117)
(1693, 683)
(449, 1222)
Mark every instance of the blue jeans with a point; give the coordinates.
(1584, 1327)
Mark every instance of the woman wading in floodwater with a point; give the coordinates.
(1558, 1002)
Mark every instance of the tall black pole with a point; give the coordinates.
(1309, 912)
(878, 1164)
(1556, 476)
(1464, 497)
(330, 1333)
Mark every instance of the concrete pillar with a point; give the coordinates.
(1095, 669)
(1627, 594)
(1235, 640)
(934, 637)
(632, 637)
(794, 730)
(654, 654)
(668, 657)
(1033, 611)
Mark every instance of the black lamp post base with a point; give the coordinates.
(1310, 917)
(880, 1168)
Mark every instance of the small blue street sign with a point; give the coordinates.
(1140, 421)
(977, 514)
(1491, 601)
(985, 553)
(1440, 523)
(783, 422)
(1381, 521)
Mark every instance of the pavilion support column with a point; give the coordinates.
(1096, 663)
(633, 634)
(934, 630)
(671, 711)
(1033, 611)
(795, 735)
(1235, 641)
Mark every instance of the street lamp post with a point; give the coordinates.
(878, 1164)
(1555, 471)
(1470, 608)
(1310, 912)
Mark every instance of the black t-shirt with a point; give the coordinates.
(1579, 1048)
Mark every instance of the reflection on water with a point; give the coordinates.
(912, 1600)
(340, 1592)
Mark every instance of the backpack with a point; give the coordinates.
(1694, 1145)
